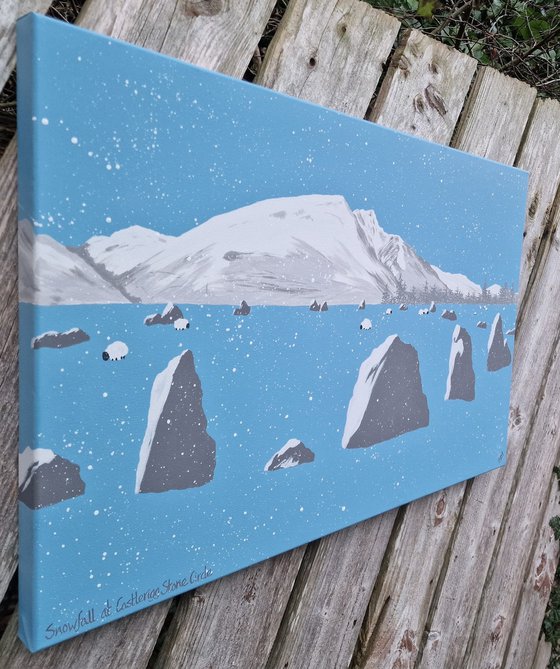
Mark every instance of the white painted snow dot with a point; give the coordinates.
(108, 166)
(343, 508)
(108, 219)
(96, 512)
(105, 394)
(45, 121)
(74, 140)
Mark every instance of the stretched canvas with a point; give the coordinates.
(245, 322)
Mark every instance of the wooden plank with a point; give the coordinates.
(542, 657)
(216, 34)
(222, 629)
(127, 642)
(432, 106)
(8, 369)
(392, 629)
(535, 589)
(487, 515)
(542, 161)
(340, 41)
(231, 622)
(323, 617)
(122, 20)
(12, 10)
(325, 603)
(514, 103)
(397, 614)
(496, 614)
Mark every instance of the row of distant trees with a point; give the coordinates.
(402, 294)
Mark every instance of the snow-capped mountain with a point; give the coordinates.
(282, 251)
(459, 282)
(49, 273)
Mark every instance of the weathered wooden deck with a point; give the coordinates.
(459, 579)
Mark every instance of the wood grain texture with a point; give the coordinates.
(305, 635)
(542, 657)
(441, 78)
(541, 158)
(127, 642)
(342, 41)
(535, 588)
(464, 594)
(523, 517)
(10, 11)
(126, 20)
(8, 368)
(217, 34)
(392, 629)
(394, 632)
(222, 630)
(231, 622)
(323, 617)
(495, 116)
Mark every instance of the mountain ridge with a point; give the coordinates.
(281, 251)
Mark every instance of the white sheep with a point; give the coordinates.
(365, 324)
(117, 350)
(388, 312)
(181, 324)
(423, 312)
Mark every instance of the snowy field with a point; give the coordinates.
(280, 373)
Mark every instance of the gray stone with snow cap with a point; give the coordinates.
(499, 355)
(460, 379)
(177, 452)
(293, 453)
(388, 399)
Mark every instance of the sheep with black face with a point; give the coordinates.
(117, 350)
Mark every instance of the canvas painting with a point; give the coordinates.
(246, 322)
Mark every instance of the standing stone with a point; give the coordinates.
(432, 308)
(324, 307)
(168, 316)
(362, 305)
(53, 339)
(243, 309)
(388, 399)
(46, 478)
(499, 355)
(460, 379)
(314, 306)
(449, 315)
(293, 453)
(177, 451)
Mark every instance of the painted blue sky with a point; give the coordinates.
(123, 136)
